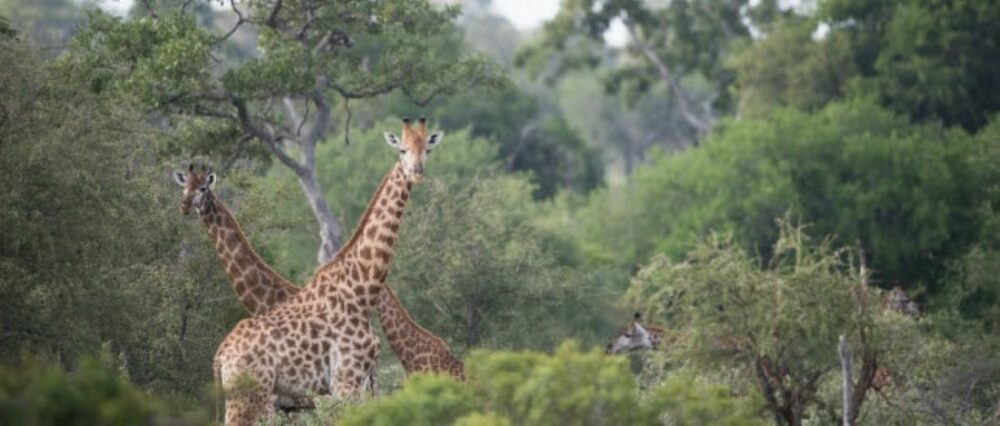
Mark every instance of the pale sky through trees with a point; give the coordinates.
(524, 14)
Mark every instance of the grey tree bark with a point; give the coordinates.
(846, 383)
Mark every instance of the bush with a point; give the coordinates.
(853, 171)
(567, 387)
(36, 393)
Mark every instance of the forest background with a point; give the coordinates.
(723, 167)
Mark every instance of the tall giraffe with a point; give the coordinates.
(320, 341)
(635, 335)
(417, 349)
(258, 287)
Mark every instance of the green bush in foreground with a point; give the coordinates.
(35, 393)
(568, 387)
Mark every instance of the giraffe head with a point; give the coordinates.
(197, 186)
(414, 146)
(633, 336)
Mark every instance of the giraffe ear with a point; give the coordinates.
(434, 139)
(179, 177)
(391, 139)
(210, 180)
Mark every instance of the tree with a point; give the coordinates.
(929, 60)
(310, 57)
(789, 68)
(90, 236)
(852, 170)
(669, 44)
(776, 325)
(569, 386)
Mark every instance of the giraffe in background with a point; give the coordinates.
(258, 287)
(419, 350)
(635, 335)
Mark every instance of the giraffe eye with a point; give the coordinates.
(402, 151)
(203, 189)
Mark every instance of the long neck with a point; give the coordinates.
(412, 343)
(373, 244)
(257, 286)
(402, 332)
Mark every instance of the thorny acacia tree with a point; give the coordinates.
(310, 56)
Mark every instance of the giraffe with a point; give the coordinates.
(417, 349)
(635, 336)
(321, 341)
(258, 287)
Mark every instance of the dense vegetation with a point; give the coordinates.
(727, 172)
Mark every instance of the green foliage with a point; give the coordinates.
(776, 326)
(929, 60)
(790, 68)
(92, 239)
(853, 171)
(530, 137)
(424, 400)
(569, 386)
(33, 392)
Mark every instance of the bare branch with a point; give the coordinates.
(239, 21)
(272, 18)
(248, 125)
(701, 122)
(362, 93)
(185, 6)
(347, 122)
(846, 382)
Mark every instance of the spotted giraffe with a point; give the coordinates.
(320, 341)
(417, 349)
(258, 287)
(635, 335)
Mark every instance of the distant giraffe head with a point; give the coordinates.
(414, 146)
(634, 336)
(197, 186)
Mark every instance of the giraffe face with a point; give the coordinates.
(414, 147)
(197, 188)
(633, 336)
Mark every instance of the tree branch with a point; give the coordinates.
(248, 125)
(846, 382)
(239, 21)
(701, 123)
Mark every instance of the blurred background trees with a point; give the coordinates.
(722, 167)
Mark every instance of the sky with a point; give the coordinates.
(526, 14)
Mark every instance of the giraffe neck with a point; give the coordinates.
(402, 332)
(370, 250)
(257, 286)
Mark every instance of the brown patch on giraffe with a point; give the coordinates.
(383, 255)
(232, 241)
(388, 240)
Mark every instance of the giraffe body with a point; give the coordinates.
(320, 342)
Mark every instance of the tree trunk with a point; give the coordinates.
(846, 383)
(329, 229)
